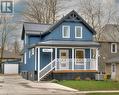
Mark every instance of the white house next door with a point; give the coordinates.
(113, 71)
(64, 59)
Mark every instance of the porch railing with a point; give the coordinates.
(48, 68)
(67, 64)
(78, 64)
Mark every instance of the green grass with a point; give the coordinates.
(103, 94)
(91, 85)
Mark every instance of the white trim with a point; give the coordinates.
(66, 47)
(68, 36)
(83, 55)
(76, 31)
(51, 54)
(38, 64)
(73, 59)
(35, 57)
(97, 52)
(25, 57)
(56, 58)
(112, 47)
(67, 57)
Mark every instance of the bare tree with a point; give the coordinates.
(96, 14)
(5, 29)
(16, 48)
(42, 11)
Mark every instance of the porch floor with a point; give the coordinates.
(68, 71)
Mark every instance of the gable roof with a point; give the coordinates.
(43, 29)
(80, 19)
(110, 33)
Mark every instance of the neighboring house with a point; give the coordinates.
(109, 51)
(64, 50)
(9, 56)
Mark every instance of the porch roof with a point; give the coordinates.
(69, 43)
(113, 60)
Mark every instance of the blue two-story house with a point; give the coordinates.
(64, 50)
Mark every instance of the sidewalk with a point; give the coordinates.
(108, 91)
(1, 78)
(12, 85)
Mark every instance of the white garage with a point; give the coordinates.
(11, 68)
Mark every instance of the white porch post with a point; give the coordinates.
(38, 64)
(56, 58)
(35, 57)
(84, 63)
(90, 59)
(51, 54)
(72, 58)
(97, 52)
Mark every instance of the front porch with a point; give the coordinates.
(65, 60)
(68, 58)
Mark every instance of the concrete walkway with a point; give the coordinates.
(15, 85)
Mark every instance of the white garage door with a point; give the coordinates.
(10, 68)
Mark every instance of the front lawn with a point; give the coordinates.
(90, 85)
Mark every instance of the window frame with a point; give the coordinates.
(82, 58)
(112, 47)
(68, 36)
(76, 31)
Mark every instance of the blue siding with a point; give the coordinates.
(30, 62)
(34, 39)
(45, 58)
(56, 34)
(87, 53)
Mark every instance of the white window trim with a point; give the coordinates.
(76, 33)
(25, 57)
(68, 31)
(112, 47)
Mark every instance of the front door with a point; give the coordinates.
(113, 71)
(64, 59)
(79, 57)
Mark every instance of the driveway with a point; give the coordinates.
(16, 85)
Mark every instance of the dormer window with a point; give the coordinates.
(66, 31)
(113, 47)
(78, 32)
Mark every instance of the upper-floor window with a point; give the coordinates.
(113, 47)
(78, 32)
(66, 31)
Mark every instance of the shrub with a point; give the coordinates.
(54, 81)
(77, 78)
